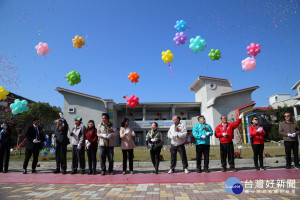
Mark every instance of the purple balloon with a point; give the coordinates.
(180, 38)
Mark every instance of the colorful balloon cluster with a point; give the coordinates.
(180, 38)
(167, 56)
(197, 44)
(44, 152)
(249, 64)
(52, 151)
(180, 25)
(253, 49)
(19, 106)
(134, 77)
(132, 101)
(3, 93)
(42, 48)
(215, 54)
(78, 42)
(73, 78)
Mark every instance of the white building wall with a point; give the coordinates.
(278, 98)
(86, 108)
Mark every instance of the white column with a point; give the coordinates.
(144, 138)
(173, 111)
(295, 112)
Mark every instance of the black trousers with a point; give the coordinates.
(61, 156)
(155, 157)
(202, 149)
(35, 151)
(227, 150)
(258, 150)
(92, 154)
(182, 153)
(78, 156)
(109, 153)
(289, 146)
(125, 152)
(4, 157)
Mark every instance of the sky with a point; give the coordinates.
(129, 36)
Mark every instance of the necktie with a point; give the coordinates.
(37, 133)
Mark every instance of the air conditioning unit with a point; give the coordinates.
(71, 109)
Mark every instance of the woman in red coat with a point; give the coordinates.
(257, 135)
(91, 140)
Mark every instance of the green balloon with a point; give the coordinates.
(73, 78)
(215, 54)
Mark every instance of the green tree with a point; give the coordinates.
(44, 111)
(279, 112)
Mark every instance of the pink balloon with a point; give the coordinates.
(249, 64)
(132, 101)
(42, 48)
(253, 49)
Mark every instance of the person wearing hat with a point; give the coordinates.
(106, 134)
(34, 143)
(77, 136)
(61, 139)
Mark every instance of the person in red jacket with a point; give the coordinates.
(91, 144)
(225, 133)
(257, 135)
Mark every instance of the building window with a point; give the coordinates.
(276, 98)
(71, 109)
(212, 86)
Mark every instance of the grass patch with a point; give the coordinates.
(142, 154)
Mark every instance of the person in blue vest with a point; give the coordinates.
(202, 133)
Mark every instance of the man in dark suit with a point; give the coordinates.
(62, 141)
(34, 143)
(5, 142)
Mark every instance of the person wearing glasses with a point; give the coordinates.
(257, 135)
(290, 134)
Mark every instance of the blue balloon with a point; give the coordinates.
(180, 25)
(19, 106)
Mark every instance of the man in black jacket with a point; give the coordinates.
(34, 143)
(5, 142)
(62, 141)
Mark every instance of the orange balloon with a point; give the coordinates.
(134, 77)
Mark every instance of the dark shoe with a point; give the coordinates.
(199, 171)
(24, 171)
(34, 171)
(64, 172)
(297, 166)
(223, 169)
(257, 168)
(82, 172)
(112, 173)
(94, 172)
(74, 172)
(156, 171)
(288, 167)
(206, 170)
(102, 173)
(233, 169)
(90, 172)
(1, 171)
(263, 168)
(5, 171)
(56, 171)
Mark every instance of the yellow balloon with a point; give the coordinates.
(78, 42)
(3, 93)
(167, 56)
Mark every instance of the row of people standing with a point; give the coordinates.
(104, 136)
